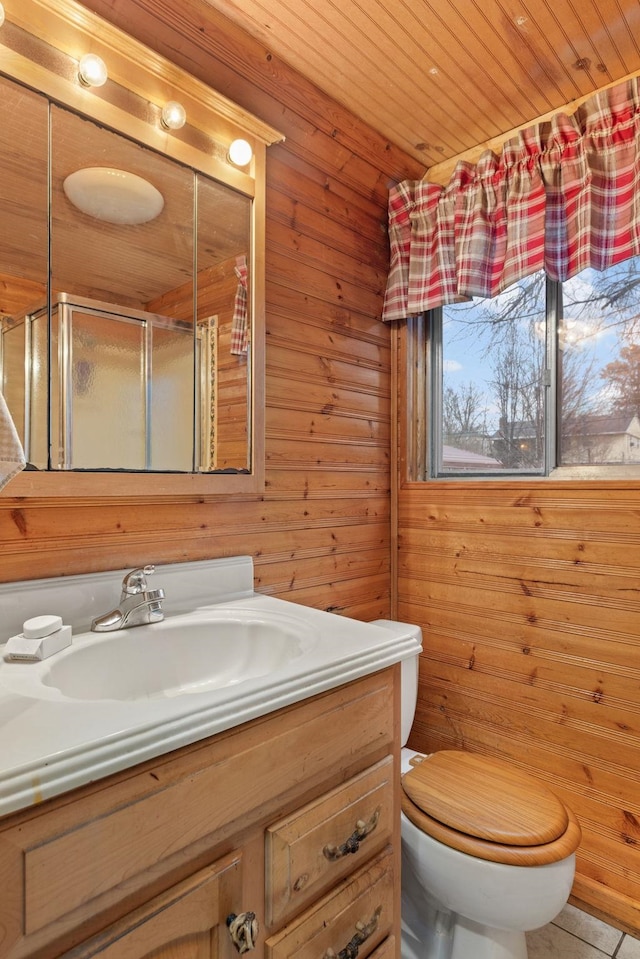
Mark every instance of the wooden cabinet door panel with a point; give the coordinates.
(186, 922)
(319, 844)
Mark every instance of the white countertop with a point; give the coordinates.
(50, 744)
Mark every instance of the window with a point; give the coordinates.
(545, 375)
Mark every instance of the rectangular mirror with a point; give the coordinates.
(132, 282)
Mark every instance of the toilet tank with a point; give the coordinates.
(408, 678)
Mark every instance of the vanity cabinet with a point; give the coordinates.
(293, 816)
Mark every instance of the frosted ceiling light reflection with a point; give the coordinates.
(115, 196)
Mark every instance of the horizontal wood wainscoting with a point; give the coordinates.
(320, 535)
(529, 597)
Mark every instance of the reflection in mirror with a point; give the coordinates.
(126, 374)
(224, 224)
(149, 346)
(24, 259)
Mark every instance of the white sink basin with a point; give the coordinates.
(224, 655)
(195, 653)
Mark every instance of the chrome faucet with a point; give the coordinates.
(138, 604)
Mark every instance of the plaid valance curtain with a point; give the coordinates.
(562, 196)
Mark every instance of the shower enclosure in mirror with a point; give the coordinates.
(131, 269)
(122, 387)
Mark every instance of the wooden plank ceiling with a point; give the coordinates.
(439, 77)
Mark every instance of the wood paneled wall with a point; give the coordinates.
(321, 533)
(529, 598)
(527, 593)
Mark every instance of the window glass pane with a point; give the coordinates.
(492, 399)
(599, 367)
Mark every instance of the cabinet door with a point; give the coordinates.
(186, 922)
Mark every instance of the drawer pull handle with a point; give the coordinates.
(243, 930)
(352, 844)
(364, 930)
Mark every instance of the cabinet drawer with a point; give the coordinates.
(386, 950)
(360, 908)
(319, 844)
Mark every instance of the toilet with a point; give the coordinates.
(488, 852)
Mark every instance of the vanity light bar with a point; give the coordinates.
(92, 72)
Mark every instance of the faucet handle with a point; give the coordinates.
(135, 581)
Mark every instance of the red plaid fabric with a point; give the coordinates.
(562, 196)
(396, 296)
(240, 321)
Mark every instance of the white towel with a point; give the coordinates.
(11, 453)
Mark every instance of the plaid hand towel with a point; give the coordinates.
(240, 322)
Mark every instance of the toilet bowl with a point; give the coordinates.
(488, 852)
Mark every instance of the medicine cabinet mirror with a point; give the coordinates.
(131, 268)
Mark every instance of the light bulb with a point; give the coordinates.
(174, 115)
(1, 14)
(240, 152)
(92, 70)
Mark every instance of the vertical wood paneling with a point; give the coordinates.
(320, 533)
(529, 600)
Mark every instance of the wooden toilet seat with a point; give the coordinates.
(486, 808)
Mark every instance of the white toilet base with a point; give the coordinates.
(483, 942)
(454, 937)
(426, 933)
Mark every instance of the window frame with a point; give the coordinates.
(424, 358)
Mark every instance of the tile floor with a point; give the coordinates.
(576, 935)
